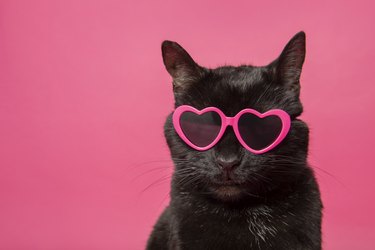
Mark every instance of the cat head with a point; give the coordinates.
(227, 171)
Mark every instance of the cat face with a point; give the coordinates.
(227, 171)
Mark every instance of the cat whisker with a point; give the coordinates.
(156, 183)
(152, 170)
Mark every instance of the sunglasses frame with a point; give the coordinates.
(232, 121)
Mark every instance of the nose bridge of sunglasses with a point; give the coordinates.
(229, 121)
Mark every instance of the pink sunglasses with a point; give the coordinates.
(257, 132)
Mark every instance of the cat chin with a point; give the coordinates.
(227, 192)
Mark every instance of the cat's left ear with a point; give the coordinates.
(180, 65)
(288, 66)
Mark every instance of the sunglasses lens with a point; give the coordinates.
(201, 130)
(259, 133)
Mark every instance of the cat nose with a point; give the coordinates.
(228, 163)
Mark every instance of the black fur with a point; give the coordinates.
(272, 200)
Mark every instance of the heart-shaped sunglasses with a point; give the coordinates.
(258, 133)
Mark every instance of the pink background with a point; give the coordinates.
(84, 95)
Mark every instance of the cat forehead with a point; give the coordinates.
(242, 74)
(242, 80)
(229, 88)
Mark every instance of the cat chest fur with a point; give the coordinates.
(208, 227)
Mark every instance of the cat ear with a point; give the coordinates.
(180, 65)
(288, 66)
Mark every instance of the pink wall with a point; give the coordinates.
(84, 94)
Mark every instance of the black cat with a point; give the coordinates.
(272, 200)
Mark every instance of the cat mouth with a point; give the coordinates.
(227, 191)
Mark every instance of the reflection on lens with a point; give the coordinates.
(259, 133)
(201, 130)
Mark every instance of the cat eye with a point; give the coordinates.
(257, 132)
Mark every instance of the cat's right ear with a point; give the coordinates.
(289, 64)
(180, 65)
